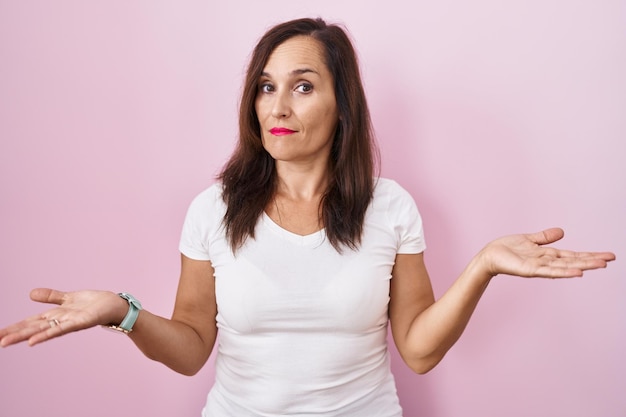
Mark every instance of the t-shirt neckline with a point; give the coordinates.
(314, 238)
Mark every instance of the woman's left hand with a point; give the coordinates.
(526, 255)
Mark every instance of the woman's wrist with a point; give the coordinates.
(481, 267)
(118, 309)
(129, 313)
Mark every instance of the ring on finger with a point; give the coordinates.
(54, 322)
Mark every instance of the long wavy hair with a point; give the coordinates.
(249, 177)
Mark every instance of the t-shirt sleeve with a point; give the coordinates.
(407, 221)
(195, 236)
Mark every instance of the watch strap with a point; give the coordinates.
(134, 306)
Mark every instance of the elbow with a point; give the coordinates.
(188, 369)
(422, 368)
(423, 365)
(184, 368)
(189, 372)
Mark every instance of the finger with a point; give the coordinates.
(28, 328)
(47, 295)
(567, 267)
(49, 331)
(606, 256)
(587, 260)
(603, 256)
(562, 253)
(579, 263)
(16, 327)
(24, 329)
(558, 272)
(6, 335)
(546, 236)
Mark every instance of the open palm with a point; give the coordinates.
(74, 311)
(526, 255)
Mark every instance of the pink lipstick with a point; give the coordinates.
(281, 131)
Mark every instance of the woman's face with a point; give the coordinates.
(296, 103)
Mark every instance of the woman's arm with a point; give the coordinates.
(185, 342)
(424, 330)
(182, 343)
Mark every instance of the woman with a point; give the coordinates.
(301, 257)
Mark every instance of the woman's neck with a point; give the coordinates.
(301, 183)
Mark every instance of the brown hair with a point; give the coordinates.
(249, 177)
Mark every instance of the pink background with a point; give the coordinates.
(499, 117)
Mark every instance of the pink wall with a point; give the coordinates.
(499, 117)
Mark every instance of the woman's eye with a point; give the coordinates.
(266, 88)
(304, 88)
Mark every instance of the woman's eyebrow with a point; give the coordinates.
(298, 71)
(303, 71)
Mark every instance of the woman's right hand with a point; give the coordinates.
(76, 310)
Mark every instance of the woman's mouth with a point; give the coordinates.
(281, 131)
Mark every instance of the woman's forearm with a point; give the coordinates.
(435, 330)
(174, 343)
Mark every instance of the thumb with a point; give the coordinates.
(47, 295)
(547, 236)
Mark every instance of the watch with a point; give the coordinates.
(134, 306)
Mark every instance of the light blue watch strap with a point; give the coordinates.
(134, 306)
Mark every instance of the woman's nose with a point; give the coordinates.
(281, 107)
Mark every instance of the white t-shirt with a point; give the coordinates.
(303, 328)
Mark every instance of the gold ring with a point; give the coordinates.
(54, 322)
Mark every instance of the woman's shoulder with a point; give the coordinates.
(210, 194)
(388, 187)
(208, 200)
(390, 196)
